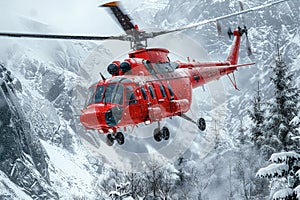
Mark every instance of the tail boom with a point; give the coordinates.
(203, 72)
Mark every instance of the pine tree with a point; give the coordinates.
(257, 117)
(283, 108)
(281, 133)
(284, 172)
(248, 161)
(296, 122)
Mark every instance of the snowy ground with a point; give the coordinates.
(69, 173)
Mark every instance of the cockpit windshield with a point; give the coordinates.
(116, 91)
(111, 93)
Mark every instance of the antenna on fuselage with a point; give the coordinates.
(103, 78)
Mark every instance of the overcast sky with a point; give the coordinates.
(64, 16)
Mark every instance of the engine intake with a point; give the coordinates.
(113, 69)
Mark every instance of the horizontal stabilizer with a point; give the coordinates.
(230, 66)
(242, 65)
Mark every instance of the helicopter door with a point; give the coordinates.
(136, 104)
(131, 103)
(162, 98)
(171, 98)
(154, 108)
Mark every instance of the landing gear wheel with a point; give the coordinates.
(201, 124)
(109, 140)
(157, 135)
(120, 138)
(165, 133)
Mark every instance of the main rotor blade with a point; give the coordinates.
(154, 34)
(66, 37)
(123, 19)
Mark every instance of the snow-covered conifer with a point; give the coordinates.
(282, 109)
(283, 171)
(257, 117)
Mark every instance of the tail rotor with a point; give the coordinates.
(230, 33)
(248, 45)
(242, 31)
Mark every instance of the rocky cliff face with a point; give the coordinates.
(41, 95)
(22, 157)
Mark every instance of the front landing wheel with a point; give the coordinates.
(109, 140)
(201, 124)
(165, 133)
(120, 138)
(157, 135)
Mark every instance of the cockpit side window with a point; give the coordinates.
(118, 97)
(108, 93)
(99, 93)
(114, 94)
(130, 97)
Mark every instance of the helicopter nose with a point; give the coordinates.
(99, 116)
(113, 116)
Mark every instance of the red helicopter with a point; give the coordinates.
(147, 87)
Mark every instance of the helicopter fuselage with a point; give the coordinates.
(147, 87)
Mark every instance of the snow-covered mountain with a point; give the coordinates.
(40, 150)
(43, 88)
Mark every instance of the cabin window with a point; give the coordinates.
(163, 68)
(171, 91)
(144, 93)
(130, 97)
(163, 91)
(151, 92)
